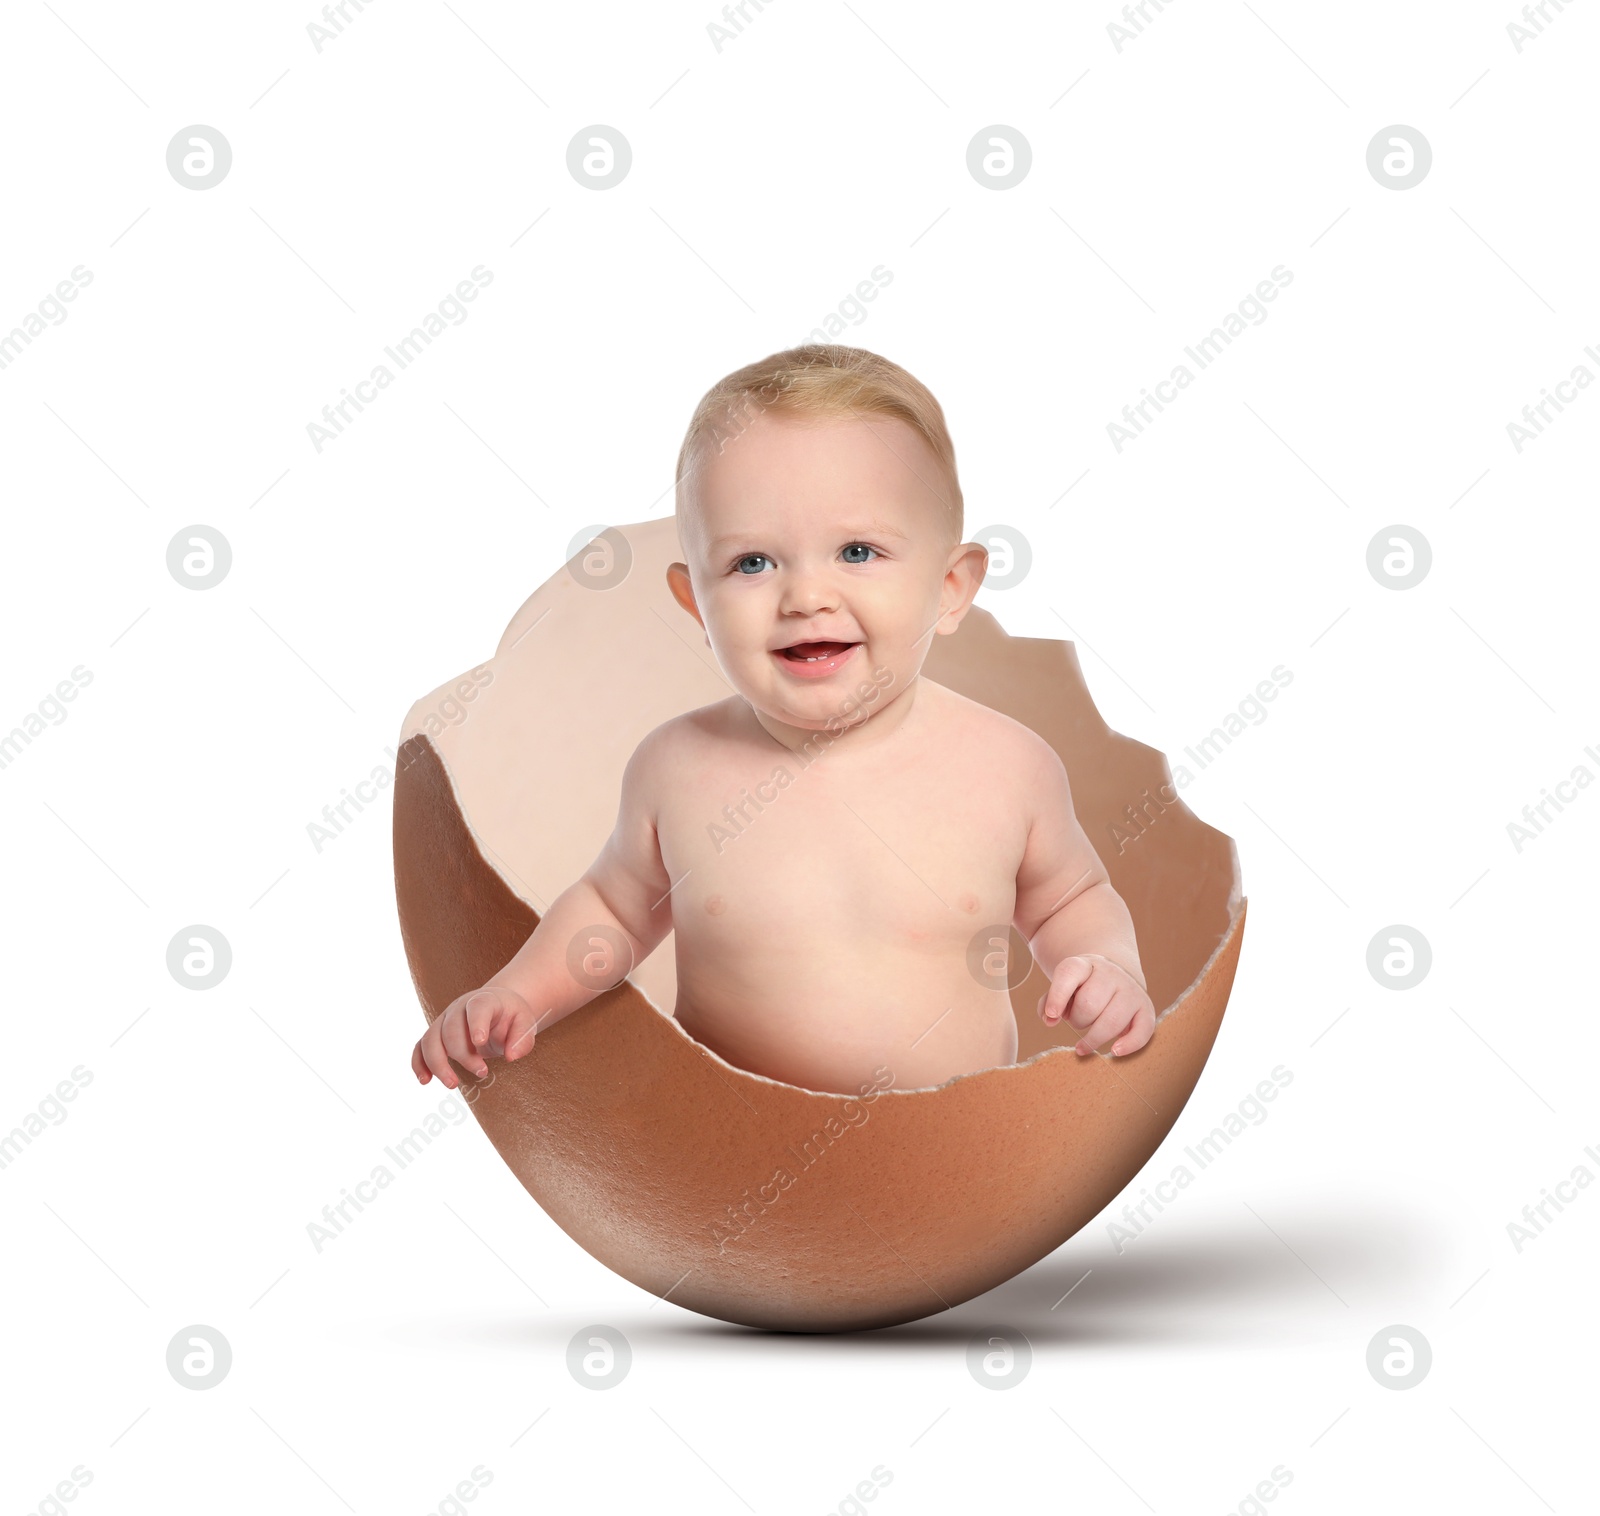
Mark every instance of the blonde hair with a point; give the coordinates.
(825, 380)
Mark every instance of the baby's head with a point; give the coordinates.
(821, 517)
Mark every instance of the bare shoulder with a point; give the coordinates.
(688, 735)
(1006, 742)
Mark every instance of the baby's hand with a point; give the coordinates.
(491, 1022)
(1103, 1000)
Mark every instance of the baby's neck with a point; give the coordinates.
(865, 734)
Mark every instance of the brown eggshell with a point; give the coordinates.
(640, 1142)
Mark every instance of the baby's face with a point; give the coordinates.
(821, 555)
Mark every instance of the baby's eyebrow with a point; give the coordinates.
(850, 533)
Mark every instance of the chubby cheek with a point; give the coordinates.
(741, 625)
(901, 635)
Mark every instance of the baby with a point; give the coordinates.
(832, 843)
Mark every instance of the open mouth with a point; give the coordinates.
(813, 660)
(814, 652)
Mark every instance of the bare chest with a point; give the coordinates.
(771, 852)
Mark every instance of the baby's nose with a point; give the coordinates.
(809, 594)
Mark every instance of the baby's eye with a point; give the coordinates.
(857, 547)
(743, 565)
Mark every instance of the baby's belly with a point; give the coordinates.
(836, 1022)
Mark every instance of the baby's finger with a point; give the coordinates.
(434, 1055)
(1139, 1031)
(419, 1064)
(1109, 1023)
(480, 1009)
(517, 1034)
(1064, 982)
(456, 1042)
(1094, 995)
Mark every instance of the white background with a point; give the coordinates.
(768, 178)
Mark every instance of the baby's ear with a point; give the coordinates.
(964, 574)
(683, 590)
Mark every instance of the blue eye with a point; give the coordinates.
(743, 564)
(858, 546)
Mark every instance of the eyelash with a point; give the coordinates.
(746, 557)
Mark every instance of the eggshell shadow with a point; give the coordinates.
(640, 1142)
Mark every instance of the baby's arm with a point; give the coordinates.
(1076, 924)
(625, 890)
